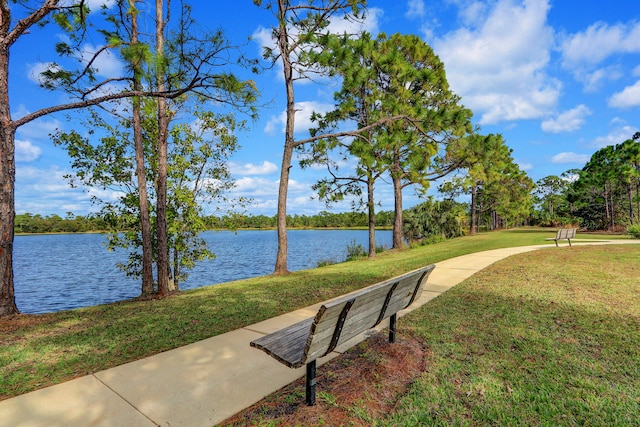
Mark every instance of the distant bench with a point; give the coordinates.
(341, 319)
(564, 234)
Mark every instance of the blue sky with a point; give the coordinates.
(558, 79)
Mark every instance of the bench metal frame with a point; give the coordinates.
(341, 319)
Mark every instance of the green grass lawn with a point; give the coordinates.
(37, 351)
(544, 338)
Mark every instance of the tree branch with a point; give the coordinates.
(23, 25)
(357, 132)
(96, 101)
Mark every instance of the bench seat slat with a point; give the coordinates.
(286, 345)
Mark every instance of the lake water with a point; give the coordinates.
(65, 271)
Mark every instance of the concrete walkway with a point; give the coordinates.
(203, 383)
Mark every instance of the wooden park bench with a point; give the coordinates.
(341, 319)
(564, 234)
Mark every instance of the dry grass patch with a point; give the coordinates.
(360, 386)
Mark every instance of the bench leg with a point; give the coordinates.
(311, 383)
(392, 328)
(569, 242)
(556, 243)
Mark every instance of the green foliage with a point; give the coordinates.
(198, 174)
(606, 193)
(406, 120)
(326, 262)
(29, 223)
(500, 191)
(434, 221)
(355, 250)
(634, 230)
(553, 209)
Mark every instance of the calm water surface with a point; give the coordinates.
(65, 271)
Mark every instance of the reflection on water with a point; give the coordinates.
(64, 271)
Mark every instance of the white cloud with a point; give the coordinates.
(266, 168)
(370, 24)
(34, 71)
(264, 194)
(102, 194)
(255, 187)
(525, 166)
(26, 151)
(616, 136)
(263, 36)
(569, 157)
(473, 12)
(568, 121)
(594, 79)
(497, 63)
(105, 64)
(600, 41)
(303, 122)
(94, 5)
(629, 97)
(47, 191)
(584, 51)
(39, 129)
(415, 9)
(263, 206)
(338, 25)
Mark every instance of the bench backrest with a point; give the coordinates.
(343, 318)
(566, 233)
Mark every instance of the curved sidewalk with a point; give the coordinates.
(203, 383)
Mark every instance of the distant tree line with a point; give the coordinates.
(30, 223)
(603, 195)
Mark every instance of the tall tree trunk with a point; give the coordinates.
(637, 200)
(287, 155)
(606, 206)
(474, 228)
(613, 209)
(630, 195)
(281, 256)
(163, 125)
(7, 215)
(7, 181)
(176, 270)
(397, 218)
(371, 208)
(145, 222)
